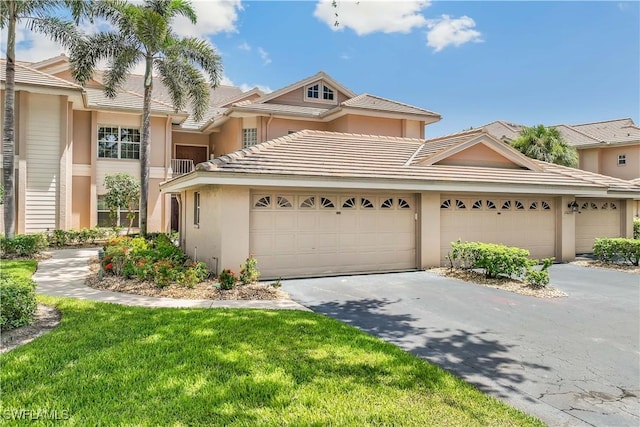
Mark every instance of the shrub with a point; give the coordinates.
(249, 272)
(493, 259)
(636, 228)
(539, 278)
(195, 273)
(23, 245)
(617, 250)
(58, 238)
(17, 301)
(227, 279)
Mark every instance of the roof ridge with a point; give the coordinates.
(578, 131)
(456, 134)
(362, 135)
(317, 76)
(604, 121)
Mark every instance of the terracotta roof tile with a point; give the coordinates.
(330, 154)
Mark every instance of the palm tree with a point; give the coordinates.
(143, 33)
(36, 14)
(545, 144)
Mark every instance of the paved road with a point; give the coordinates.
(568, 361)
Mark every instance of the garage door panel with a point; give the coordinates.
(317, 235)
(498, 221)
(596, 218)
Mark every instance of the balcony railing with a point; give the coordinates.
(181, 166)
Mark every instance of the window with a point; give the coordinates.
(350, 203)
(319, 92)
(366, 203)
(249, 137)
(104, 215)
(196, 208)
(115, 142)
(263, 202)
(308, 203)
(622, 159)
(283, 202)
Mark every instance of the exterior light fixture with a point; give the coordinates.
(573, 206)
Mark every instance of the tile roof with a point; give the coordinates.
(503, 130)
(371, 102)
(611, 131)
(125, 100)
(29, 76)
(295, 110)
(330, 154)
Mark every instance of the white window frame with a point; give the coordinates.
(622, 159)
(119, 142)
(249, 137)
(196, 209)
(321, 90)
(121, 222)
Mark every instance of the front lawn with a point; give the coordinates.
(112, 365)
(21, 268)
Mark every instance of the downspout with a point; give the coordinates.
(268, 123)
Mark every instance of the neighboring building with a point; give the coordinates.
(318, 203)
(68, 137)
(610, 147)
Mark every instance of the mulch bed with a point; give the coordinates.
(627, 268)
(204, 290)
(46, 318)
(503, 283)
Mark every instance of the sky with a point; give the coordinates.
(541, 62)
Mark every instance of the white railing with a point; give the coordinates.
(181, 166)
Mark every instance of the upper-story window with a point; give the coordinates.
(249, 137)
(116, 142)
(320, 92)
(622, 159)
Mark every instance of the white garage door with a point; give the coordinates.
(596, 218)
(322, 233)
(527, 223)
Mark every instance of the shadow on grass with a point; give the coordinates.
(110, 364)
(469, 355)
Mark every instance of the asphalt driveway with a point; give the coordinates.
(568, 361)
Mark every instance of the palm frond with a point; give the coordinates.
(201, 53)
(60, 31)
(119, 67)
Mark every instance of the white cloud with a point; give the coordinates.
(446, 31)
(264, 55)
(369, 16)
(345, 56)
(213, 17)
(244, 46)
(245, 87)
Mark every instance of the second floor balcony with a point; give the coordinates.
(181, 167)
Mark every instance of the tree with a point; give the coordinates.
(545, 144)
(123, 191)
(143, 33)
(36, 14)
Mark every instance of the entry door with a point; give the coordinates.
(196, 153)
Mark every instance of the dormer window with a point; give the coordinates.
(319, 92)
(622, 159)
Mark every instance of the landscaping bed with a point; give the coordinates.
(627, 268)
(208, 289)
(504, 283)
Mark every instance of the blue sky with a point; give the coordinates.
(472, 62)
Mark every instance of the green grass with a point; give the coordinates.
(24, 268)
(112, 365)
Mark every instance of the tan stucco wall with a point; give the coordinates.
(229, 139)
(82, 137)
(80, 206)
(156, 220)
(374, 126)
(281, 127)
(224, 223)
(479, 155)
(565, 230)
(609, 162)
(296, 97)
(158, 141)
(589, 159)
(428, 233)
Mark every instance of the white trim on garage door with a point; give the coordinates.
(318, 233)
(596, 218)
(527, 223)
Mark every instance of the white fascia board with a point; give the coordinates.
(196, 179)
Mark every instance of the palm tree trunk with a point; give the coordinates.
(145, 145)
(8, 136)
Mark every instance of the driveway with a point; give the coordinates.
(568, 361)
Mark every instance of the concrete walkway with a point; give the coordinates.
(64, 274)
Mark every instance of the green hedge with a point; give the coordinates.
(23, 245)
(498, 260)
(617, 250)
(17, 301)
